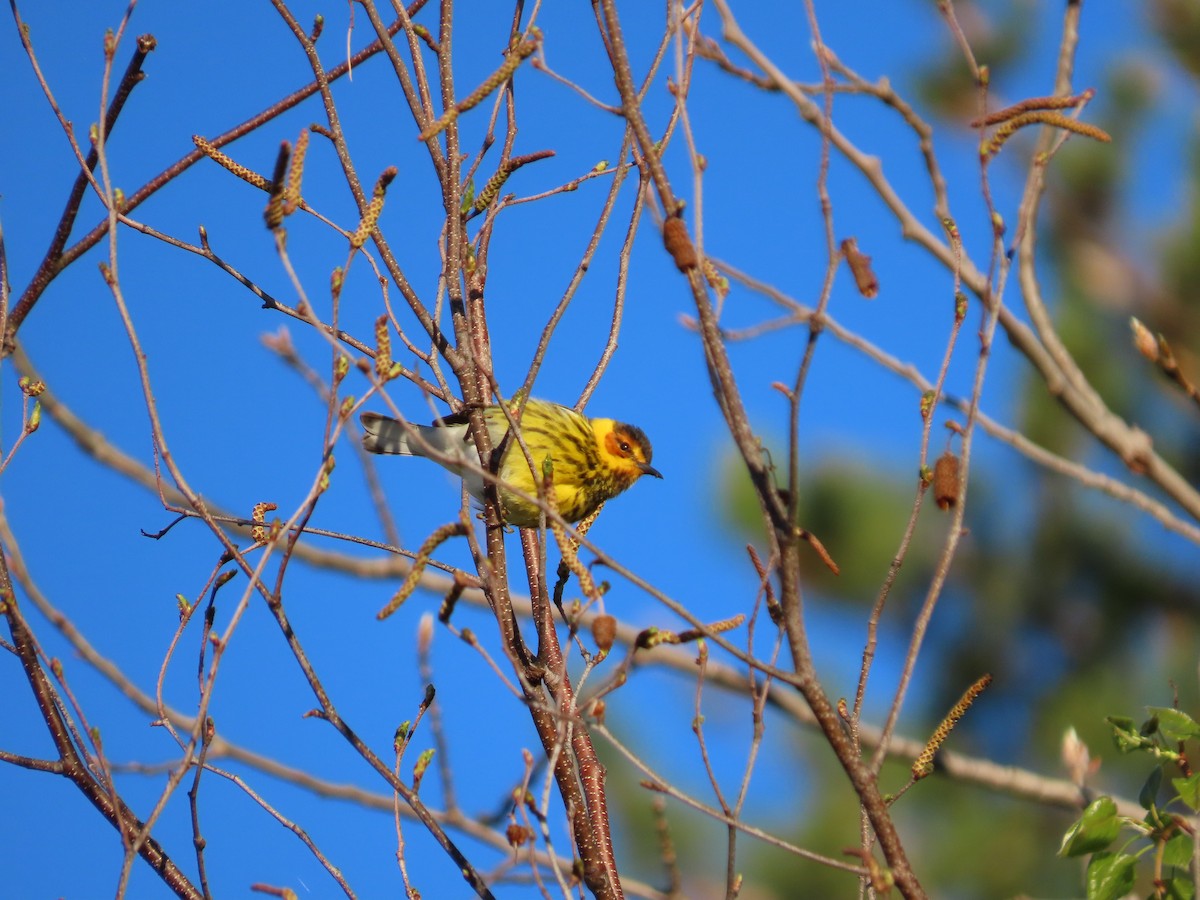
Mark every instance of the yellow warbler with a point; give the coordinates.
(593, 459)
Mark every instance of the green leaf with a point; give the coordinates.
(1095, 829)
(1148, 795)
(1180, 887)
(1188, 790)
(1175, 725)
(1178, 851)
(1126, 735)
(1110, 876)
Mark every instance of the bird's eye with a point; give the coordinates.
(625, 448)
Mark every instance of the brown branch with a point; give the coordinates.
(774, 509)
(1128, 442)
(491, 189)
(516, 54)
(56, 263)
(1156, 349)
(47, 269)
(330, 714)
(110, 805)
(1011, 781)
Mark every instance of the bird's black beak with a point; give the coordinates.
(648, 469)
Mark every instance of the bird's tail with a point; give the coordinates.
(386, 435)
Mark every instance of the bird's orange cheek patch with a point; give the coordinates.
(612, 445)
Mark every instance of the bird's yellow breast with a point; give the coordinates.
(583, 474)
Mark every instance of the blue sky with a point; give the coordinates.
(245, 429)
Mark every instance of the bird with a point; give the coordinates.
(593, 460)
